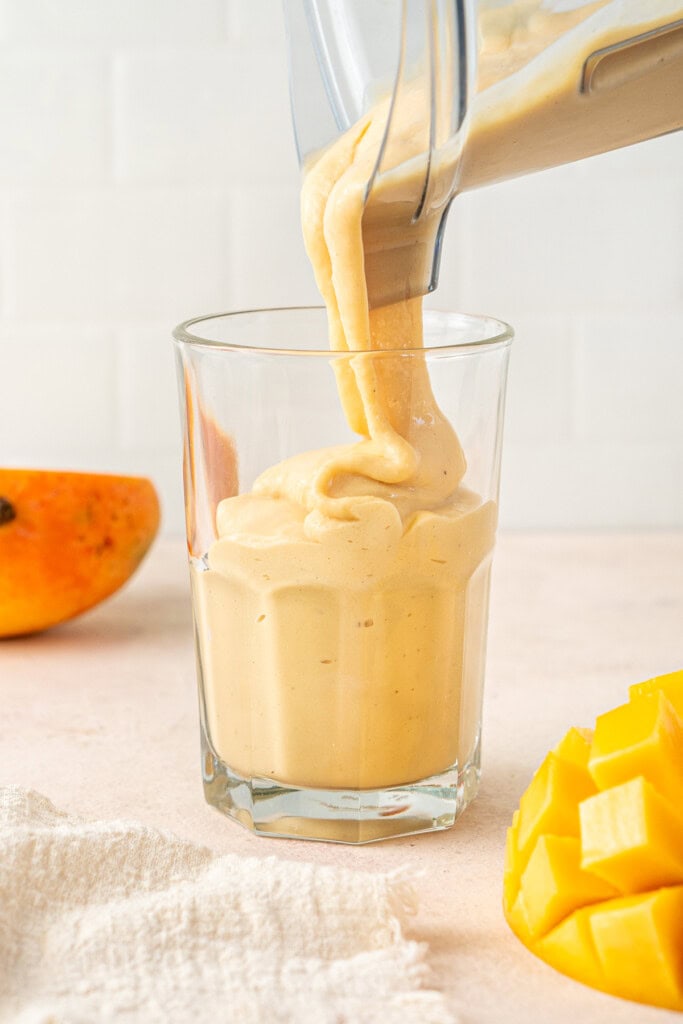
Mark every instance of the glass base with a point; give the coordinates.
(272, 808)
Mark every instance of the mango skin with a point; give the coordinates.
(628, 941)
(67, 541)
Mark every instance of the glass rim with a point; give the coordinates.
(501, 336)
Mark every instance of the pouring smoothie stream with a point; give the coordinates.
(348, 538)
(379, 545)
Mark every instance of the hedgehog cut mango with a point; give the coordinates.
(593, 880)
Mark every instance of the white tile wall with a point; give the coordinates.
(110, 23)
(56, 390)
(217, 115)
(147, 398)
(591, 484)
(117, 254)
(629, 379)
(53, 116)
(254, 22)
(566, 241)
(148, 172)
(540, 402)
(266, 234)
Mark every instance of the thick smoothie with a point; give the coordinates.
(333, 613)
(333, 657)
(558, 85)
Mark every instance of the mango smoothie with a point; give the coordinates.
(341, 612)
(333, 612)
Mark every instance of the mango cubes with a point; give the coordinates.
(632, 838)
(593, 880)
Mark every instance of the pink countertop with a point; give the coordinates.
(100, 715)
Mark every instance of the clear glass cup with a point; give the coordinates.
(340, 675)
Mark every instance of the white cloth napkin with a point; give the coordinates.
(115, 921)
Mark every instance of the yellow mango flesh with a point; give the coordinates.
(554, 884)
(632, 838)
(575, 747)
(671, 685)
(593, 880)
(639, 945)
(518, 919)
(629, 947)
(551, 803)
(644, 737)
(569, 948)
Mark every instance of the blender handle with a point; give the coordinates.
(613, 65)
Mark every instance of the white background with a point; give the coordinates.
(148, 173)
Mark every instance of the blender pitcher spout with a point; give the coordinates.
(407, 68)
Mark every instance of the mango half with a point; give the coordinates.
(67, 541)
(593, 878)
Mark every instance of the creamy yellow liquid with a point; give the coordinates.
(546, 111)
(340, 661)
(342, 618)
(332, 618)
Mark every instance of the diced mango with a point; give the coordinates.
(550, 804)
(639, 943)
(553, 884)
(575, 746)
(569, 948)
(593, 880)
(671, 684)
(630, 947)
(644, 737)
(517, 917)
(632, 837)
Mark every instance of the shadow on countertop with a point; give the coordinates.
(154, 615)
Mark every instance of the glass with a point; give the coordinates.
(340, 672)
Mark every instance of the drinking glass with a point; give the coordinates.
(340, 664)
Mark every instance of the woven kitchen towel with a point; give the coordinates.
(114, 921)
